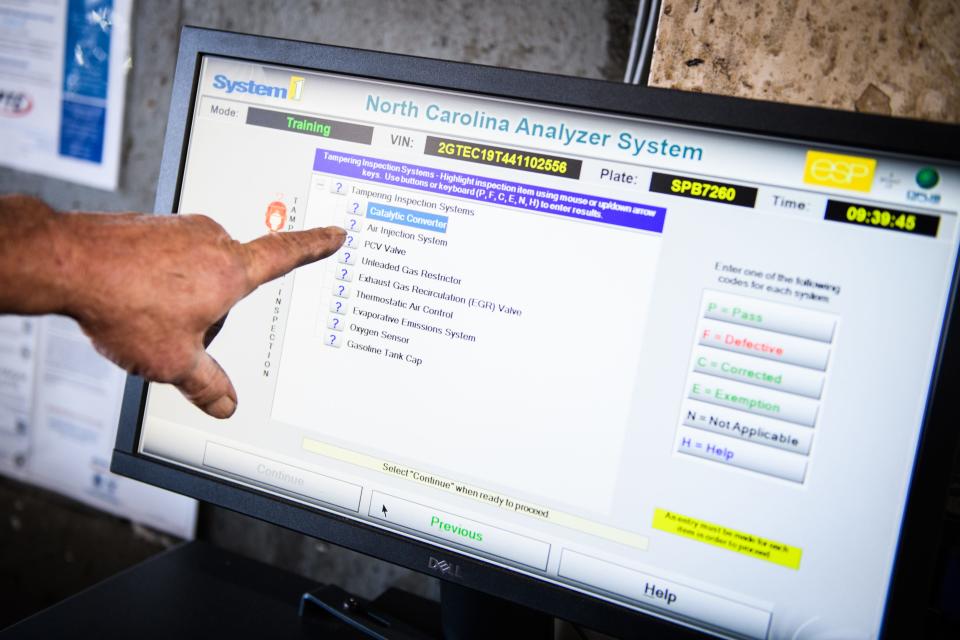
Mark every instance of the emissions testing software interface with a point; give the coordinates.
(677, 369)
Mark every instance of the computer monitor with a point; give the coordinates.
(637, 358)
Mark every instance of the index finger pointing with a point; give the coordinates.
(276, 254)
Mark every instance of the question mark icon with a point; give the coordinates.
(353, 224)
(339, 187)
(339, 304)
(336, 322)
(341, 290)
(349, 241)
(343, 273)
(333, 338)
(355, 205)
(346, 257)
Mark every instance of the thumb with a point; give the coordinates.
(275, 254)
(208, 387)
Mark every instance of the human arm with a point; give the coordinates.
(144, 288)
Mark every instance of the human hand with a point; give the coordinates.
(147, 288)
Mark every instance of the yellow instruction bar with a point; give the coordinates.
(553, 516)
(719, 536)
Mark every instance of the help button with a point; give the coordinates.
(652, 591)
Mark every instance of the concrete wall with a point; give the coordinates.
(890, 57)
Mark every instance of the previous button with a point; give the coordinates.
(453, 528)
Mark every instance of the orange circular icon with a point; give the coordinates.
(276, 217)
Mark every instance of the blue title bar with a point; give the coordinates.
(495, 191)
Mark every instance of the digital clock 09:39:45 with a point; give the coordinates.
(867, 215)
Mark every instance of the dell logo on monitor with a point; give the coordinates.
(444, 567)
(294, 92)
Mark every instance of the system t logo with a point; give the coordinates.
(296, 88)
(839, 171)
(292, 92)
(15, 104)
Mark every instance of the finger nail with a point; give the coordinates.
(222, 408)
(341, 230)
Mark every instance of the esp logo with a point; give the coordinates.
(839, 171)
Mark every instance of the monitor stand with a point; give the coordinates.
(463, 614)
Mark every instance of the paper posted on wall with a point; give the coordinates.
(18, 345)
(62, 86)
(59, 406)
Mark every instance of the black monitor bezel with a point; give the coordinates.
(914, 569)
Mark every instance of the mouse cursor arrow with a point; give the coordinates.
(384, 509)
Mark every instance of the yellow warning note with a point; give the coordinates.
(719, 536)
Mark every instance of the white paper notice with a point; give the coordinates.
(72, 425)
(62, 86)
(18, 344)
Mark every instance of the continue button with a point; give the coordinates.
(665, 595)
(446, 526)
(287, 478)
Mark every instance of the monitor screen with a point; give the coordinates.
(677, 369)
